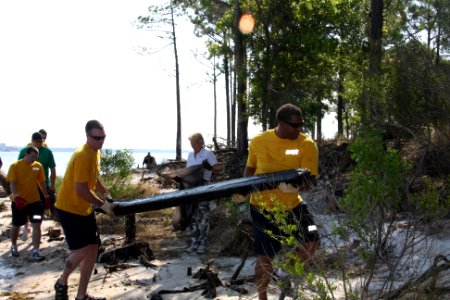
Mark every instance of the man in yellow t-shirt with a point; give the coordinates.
(25, 177)
(74, 210)
(280, 149)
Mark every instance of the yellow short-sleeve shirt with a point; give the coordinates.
(26, 176)
(270, 153)
(83, 167)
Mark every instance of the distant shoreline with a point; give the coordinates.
(4, 148)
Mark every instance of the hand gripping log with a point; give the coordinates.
(297, 177)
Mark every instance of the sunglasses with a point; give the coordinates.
(97, 138)
(294, 125)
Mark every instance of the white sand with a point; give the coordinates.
(36, 279)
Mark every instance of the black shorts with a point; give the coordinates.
(32, 212)
(269, 244)
(80, 231)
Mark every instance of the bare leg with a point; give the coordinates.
(86, 267)
(36, 236)
(305, 253)
(74, 260)
(14, 235)
(263, 271)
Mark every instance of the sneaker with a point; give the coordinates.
(201, 249)
(283, 280)
(192, 248)
(14, 251)
(36, 256)
(61, 291)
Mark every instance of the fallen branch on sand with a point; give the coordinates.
(118, 267)
(208, 287)
(426, 280)
(134, 250)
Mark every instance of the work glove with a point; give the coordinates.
(206, 165)
(108, 207)
(238, 198)
(288, 188)
(21, 203)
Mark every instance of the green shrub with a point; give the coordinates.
(116, 170)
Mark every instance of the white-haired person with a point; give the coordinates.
(200, 224)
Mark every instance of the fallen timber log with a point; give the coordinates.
(297, 177)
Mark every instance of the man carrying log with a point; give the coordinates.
(282, 148)
(74, 210)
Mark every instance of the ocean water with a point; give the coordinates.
(62, 158)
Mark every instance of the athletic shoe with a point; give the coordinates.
(14, 251)
(36, 256)
(283, 280)
(193, 248)
(201, 249)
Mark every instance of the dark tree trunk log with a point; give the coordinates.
(130, 229)
(243, 186)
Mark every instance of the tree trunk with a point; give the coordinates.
(130, 229)
(438, 36)
(177, 79)
(215, 98)
(227, 93)
(375, 38)
(242, 133)
(340, 109)
(233, 108)
(319, 127)
(300, 178)
(373, 94)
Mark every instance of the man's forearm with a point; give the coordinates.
(249, 171)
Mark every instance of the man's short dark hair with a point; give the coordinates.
(286, 111)
(37, 136)
(43, 132)
(93, 124)
(30, 149)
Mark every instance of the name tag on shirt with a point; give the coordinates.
(292, 151)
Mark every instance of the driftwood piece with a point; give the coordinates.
(146, 263)
(118, 267)
(134, 250)
(242, 280)
(208, 286)
(238, 289)
(299, 177)
(441, 263)
(210, 289)
(239, 268)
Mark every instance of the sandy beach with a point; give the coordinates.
(22, 278)
(168, 272)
